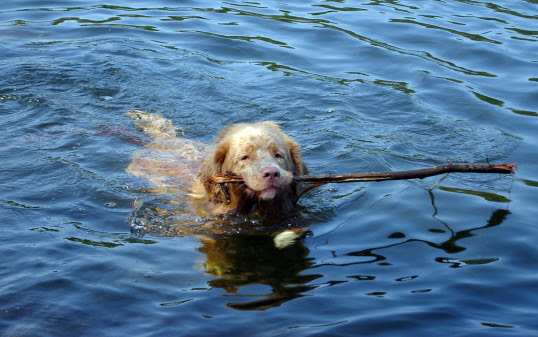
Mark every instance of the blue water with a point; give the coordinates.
(363, 86)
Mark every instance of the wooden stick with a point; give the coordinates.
(230, 177)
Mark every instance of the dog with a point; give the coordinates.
(265, 157)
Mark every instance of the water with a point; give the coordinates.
(371, 86)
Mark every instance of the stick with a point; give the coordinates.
(230, 177)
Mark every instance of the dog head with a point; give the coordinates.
(265, 157)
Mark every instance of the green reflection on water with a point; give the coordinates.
(486, 195)
(94, 243)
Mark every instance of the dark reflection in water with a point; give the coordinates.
(240, 250)
(246, 259)
(244, 251)
(449, 246)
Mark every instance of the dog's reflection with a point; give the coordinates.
(238, 252)
(245, 259)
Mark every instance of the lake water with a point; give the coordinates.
(363, 86)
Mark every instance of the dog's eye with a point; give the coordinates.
(244, 158)
(278, 155)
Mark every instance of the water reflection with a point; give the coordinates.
(240, 250)
(247, 259)
(241, 255)
(449, 246)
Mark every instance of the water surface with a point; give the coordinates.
(363, 86)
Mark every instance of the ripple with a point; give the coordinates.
(370, 86)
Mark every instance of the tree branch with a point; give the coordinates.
(230, 177)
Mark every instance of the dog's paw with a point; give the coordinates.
(286, 238)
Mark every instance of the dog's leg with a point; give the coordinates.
(154, 125)
(168, 162)
(288, 237)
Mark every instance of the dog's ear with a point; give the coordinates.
(219, 155)
(213, 165)
(214, 160)
(299, 167)
(295, 153)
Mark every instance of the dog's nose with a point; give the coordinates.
(270, 173)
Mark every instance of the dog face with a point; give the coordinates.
(265, 157)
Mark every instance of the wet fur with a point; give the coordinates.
(173, 164)
(265, 145)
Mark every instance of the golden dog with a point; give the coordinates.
(261, 153)
(265, 157)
